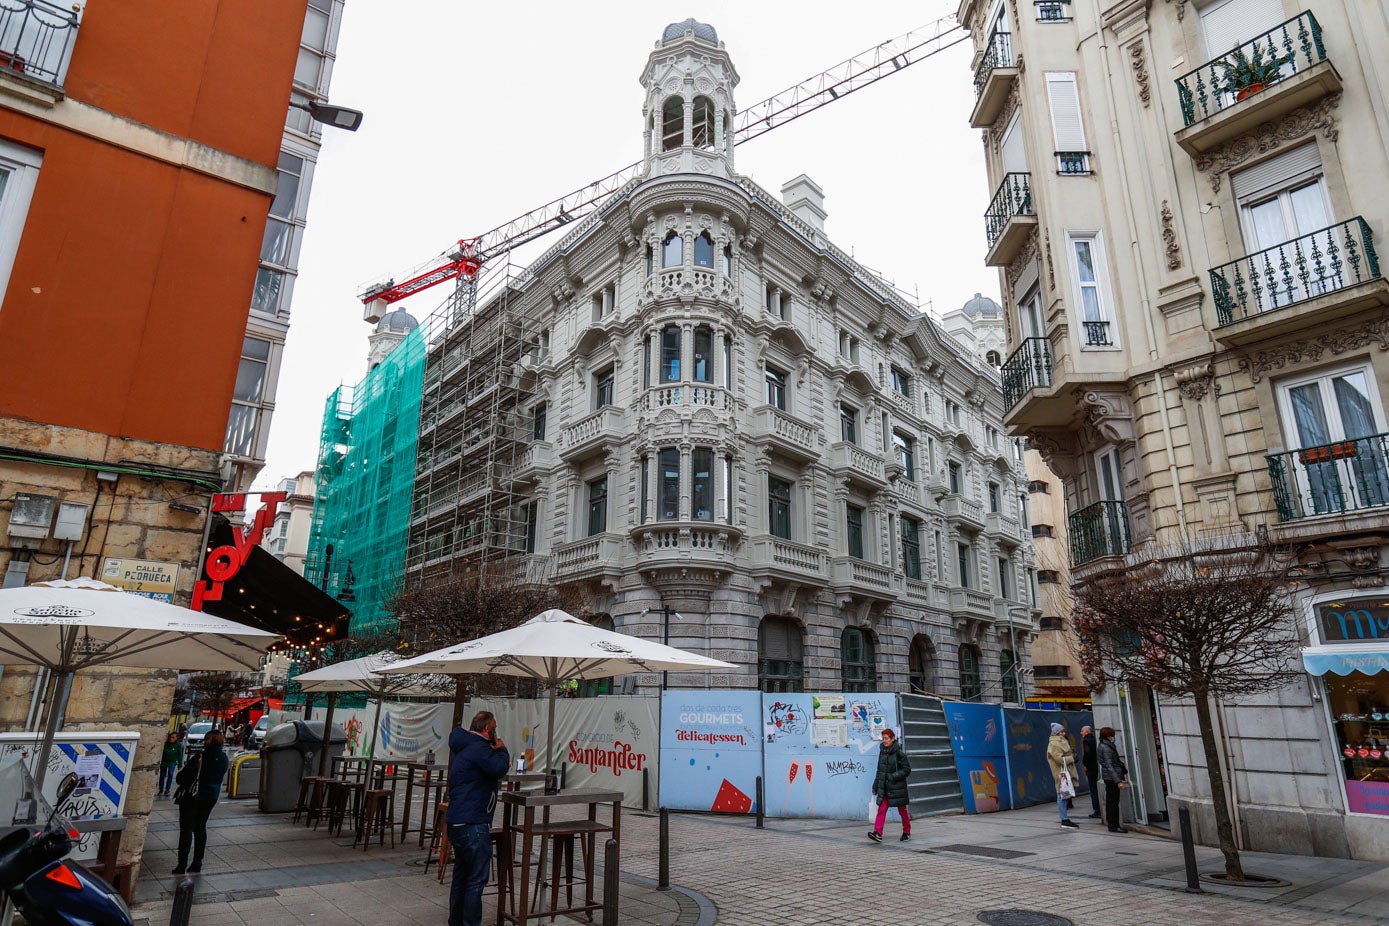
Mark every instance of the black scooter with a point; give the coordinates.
(48, 890)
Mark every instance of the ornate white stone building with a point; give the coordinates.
(718, 411)
(1184, 200)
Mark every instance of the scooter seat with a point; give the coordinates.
(10, 846)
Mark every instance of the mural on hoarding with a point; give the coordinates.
(1029, 772)
(976, 735)
(711, 752)
(825, 738)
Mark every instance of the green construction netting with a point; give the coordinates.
(365, 477)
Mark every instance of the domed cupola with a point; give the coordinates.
(390, 331)
(689, 81)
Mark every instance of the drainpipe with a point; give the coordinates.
(1144, 300)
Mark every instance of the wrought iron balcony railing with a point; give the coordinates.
(1348, 475)
(998, 53)
(1028, 368)
(1053, 11)
(36, 39)
(1014, 198)
(1097, 334)
(1073, 163)
(1313, 265)
(1244, 71)
(1101, 529)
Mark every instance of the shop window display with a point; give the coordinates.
(1360, 707)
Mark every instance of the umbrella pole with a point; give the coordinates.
(327, 735)
(550, 749)
(57, 704)
(376, 724)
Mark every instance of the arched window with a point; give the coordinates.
(703, 122)
(593, 687)
(672, 123)
(673, 250)
(704, 354)
(970, 686)
(727, 260)
(921, 665)
(704, 251)
(670, 354)
(650, 260)
(993, 358)
(1007, 663)
(858, 660)
(779, 654)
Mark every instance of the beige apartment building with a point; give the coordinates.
(1184, 200)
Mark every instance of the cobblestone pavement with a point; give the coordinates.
(264, 870)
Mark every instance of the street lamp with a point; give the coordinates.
(339, 117)
(667, 612)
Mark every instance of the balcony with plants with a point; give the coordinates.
(1265, 78)
(1316, 279)
(1333, 482)
(993, 79)
(1010, 219)
(1099, 530)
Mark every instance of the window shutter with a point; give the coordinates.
(1066, 126)
(1014, 158)
(1275, 172)
(1234, 22)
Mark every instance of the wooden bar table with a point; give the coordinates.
(355, 766)
(523, 901)
(429, 777)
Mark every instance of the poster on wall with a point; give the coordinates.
(976, 735)
(102, 760)
(711, 752)
(608, 742)
(409, 731)
(821, 751)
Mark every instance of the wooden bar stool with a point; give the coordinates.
(440, 849)
(310, 801)
(378, 813)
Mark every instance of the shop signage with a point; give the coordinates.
(1354, 621)
(142, 577)
(226, 561)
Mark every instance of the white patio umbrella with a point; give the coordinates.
(360, 675)
(555, 647)
(69, 625)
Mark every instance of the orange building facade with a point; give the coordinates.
(139, 144)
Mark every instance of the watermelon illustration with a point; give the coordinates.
(731, 800)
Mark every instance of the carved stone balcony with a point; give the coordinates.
(862, 579)
(959, 508)
(786, 433)
(592, 557)
(686, 284)
(773, 557)
(704, 544)
(971, 604)
(590, 435)
(1001, 525)
(686, 395)
(533, 463)
(849, 459)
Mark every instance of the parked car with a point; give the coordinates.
(193, 744)
(258, 733)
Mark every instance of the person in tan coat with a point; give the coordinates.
(1061, 756)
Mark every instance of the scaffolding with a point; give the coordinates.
(473, 508)
(364, 481)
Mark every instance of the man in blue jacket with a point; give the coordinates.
(477, 764)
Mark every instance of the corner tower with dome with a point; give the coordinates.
(716, 410)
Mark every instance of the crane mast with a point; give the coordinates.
(466, 257)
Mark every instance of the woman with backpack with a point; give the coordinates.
(199, 786)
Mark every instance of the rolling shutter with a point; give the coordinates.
(1275, 172)
(1014, 157)
(1066, 127)
(1232, 23)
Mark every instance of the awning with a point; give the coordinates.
(238, 705)
(1343, 660)
(266, 593)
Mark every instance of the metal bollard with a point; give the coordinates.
(563, 774)
(1193, 877)
(645, 784)
(183, 903)
(759, 802)
(610, 873)
(663, 878)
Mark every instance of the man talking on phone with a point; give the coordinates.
(478, 762)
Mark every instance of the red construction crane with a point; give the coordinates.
(465, 259)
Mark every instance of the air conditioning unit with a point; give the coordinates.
(32, 516)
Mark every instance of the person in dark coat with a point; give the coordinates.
(890, 786)
(207, 770)
(1091, 764)
(477, 764)
(1115, 775)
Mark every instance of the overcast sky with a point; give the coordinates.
(477, 113)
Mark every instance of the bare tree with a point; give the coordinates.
(216, 691)
(1206, 626)
(467, 604)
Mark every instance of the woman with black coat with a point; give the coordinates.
(890, 786)
(203, 778)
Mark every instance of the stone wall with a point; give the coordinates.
(130, 517)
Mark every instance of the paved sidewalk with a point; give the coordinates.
(263, 870)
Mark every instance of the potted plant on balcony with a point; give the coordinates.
(1247, 74)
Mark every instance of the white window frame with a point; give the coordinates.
(23, 165)
(1103, 286)
(1288, 421)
